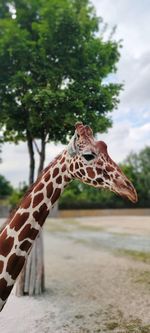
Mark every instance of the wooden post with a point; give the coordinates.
(31, 279)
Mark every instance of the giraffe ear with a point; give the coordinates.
(72, 148)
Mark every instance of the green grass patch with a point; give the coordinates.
(135, 255)
(140, 277)
(121, 325)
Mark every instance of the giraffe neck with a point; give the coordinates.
(18, 236)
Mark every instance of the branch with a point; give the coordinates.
(37, 148)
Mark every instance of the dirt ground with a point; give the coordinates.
(97, 279)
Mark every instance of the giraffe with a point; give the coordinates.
(84, 159)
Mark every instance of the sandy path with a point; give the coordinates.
(89, 289)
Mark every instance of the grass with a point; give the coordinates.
(57, 225)
(4, 202)
(135, 255)
(54, 225)
(121, 325)
(142, 277)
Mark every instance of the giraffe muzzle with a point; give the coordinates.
(126, 190)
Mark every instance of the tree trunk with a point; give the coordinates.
(31, 157)
(42, 155)
(31, 280)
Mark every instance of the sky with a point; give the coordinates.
(131, 121)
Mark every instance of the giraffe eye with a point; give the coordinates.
(89, 157)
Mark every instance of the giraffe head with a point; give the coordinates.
(91, 164)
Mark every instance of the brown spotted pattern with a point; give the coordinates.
(37, 199)
(24, 225)
(15, 264)
(59, 180)
(6, 245)
(29, 232)
(55, 172)
(19, 220)
(25, 246)
(4, 289)
(49, 189)
(41, 214)
(47, 177)
(1, 266)
(55, 195)
(39, 187)
(27, 202)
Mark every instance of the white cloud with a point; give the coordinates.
(15, 161)
(122, 138)
(131, 18)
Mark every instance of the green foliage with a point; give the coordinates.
(78, 195)
(5, 187)
(17, 195)
(140, 163)
(53, 69)
(0, 153)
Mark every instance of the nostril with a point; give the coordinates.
(128, 184)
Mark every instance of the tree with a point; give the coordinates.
(5, 187)
(16, 195)
(50, 58)
(0, 153)
(53, 71)
(140, 165)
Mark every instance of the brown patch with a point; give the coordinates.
(76, 165)
(90, 172)
(29, 232)
(63, 169)
(19, 220)
(39, 187)
(4, 235)
(37, 199)
(59, 180)
(100, 180)
(40, 216)
(1, 266)
(55, 172)
(82, 171)
(109, 168)
(47, 177)
(6, 244)
(100, 162)
(99, 171)
(71, 167)
(95, 182)
(66, 179)
(25, 246)
(4, 290)
(27, 202)
(49, 189)
(55, 195)
(79, 174)
(63, 160)
(14, 265)
(105, 174)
